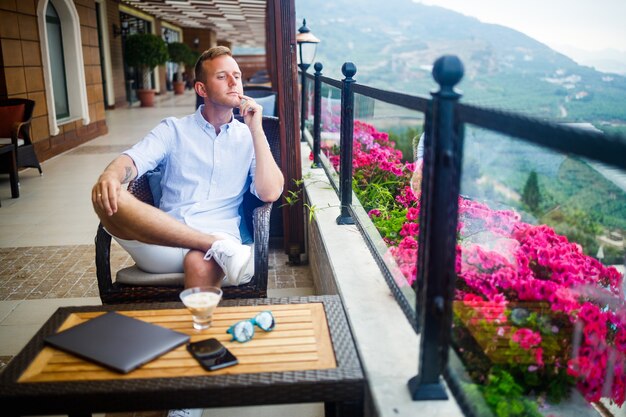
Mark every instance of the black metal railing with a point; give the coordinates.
(414, 103)
(346, 142)
(317, 116)
(444, 122)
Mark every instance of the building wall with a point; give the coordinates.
(21, 74)
(206, 38)
(222, 42)
(251, 64)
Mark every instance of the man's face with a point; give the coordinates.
(223, 81)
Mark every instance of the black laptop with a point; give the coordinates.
(116, 341)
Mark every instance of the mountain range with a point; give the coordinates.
(606, 60)
(394, 43)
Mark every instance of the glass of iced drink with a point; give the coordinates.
(201, 301)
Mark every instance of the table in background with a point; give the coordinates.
(309, 357)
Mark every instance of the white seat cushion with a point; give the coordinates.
(7, 141)
(132, 275)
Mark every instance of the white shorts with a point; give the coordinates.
(157, 259)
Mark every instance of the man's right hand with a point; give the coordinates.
(252, 113)
(106, 192)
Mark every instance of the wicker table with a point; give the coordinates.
(309, 357)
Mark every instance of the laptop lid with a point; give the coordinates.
(116, 341)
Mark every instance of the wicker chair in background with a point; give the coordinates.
(166, 287)
(15, 127)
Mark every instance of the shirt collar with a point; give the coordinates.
(204, 123)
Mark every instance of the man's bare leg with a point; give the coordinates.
(136, 220)
(199, 272)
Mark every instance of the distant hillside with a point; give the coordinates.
(607, 60)
(394, 43)
(567, 182)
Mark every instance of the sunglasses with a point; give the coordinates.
(243, 331)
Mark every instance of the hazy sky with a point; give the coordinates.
(586, 24)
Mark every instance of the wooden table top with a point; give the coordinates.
(309, 357)
(300, 341)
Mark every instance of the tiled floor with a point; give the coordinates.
(43, 272)
(46, 241)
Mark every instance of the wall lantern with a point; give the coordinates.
(123, 31)
(307, 46)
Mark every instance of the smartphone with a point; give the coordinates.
(211, 354)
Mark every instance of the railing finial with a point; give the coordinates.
(448, 71)
(348, 69)
(318, 67)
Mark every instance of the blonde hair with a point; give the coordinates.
(208, 55)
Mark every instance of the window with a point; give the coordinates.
(57, 62)
(62, 59)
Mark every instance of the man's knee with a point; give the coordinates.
(120, 223)
(121, 201)
(194, 263)
(199, 271)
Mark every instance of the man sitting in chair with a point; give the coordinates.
(207, 159)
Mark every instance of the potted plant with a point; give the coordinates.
(145, 51)
(180, 53)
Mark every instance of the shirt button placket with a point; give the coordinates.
(216, 166)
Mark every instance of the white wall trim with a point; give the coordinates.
(74, 63)
(106, 49)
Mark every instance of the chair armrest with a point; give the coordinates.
(15, 132)
(261, 225)
(103, 261)
(24, 126)
(20, 127)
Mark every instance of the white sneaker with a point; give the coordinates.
(235, 259)
(186, 412)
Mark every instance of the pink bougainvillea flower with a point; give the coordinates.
(526, 338)
(374, 213)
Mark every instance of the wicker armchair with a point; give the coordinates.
(15, 129)
(256, 214)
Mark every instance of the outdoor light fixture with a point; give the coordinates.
(307, 45)
(123, 31)
(196, 42)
